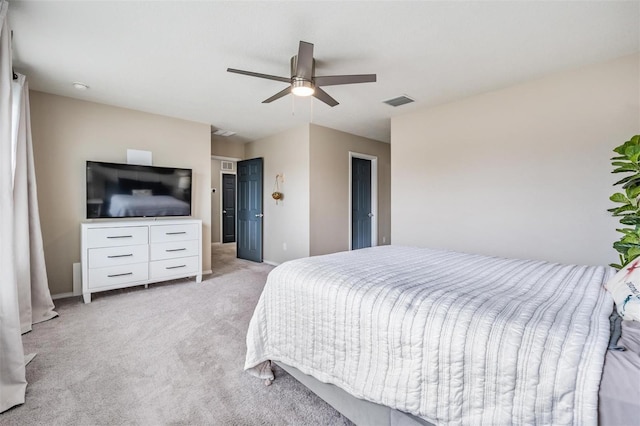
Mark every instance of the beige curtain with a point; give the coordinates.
(33, 288)
(12, 374)
(24, 292)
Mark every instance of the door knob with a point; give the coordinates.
(259, 215)
(224, 211)
(370, 215)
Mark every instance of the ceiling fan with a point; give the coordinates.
(304, 82)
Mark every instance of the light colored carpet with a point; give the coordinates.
(169, 354)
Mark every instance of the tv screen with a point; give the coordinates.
(127, 190)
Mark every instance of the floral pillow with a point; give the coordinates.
(625, 289)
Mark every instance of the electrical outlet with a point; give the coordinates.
(284, 246)
(384, 240)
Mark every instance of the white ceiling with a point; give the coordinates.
(170, 57)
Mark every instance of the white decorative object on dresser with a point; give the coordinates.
(119, 254)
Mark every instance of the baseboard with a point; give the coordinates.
(270, 262)
(207, 272)
(64, 295)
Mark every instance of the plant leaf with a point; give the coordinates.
(626, 168)
(634, 180)
(632, 152)
(635, 139)
(633, 253)
(630, 220)
(625, 248)
(632, 192)
(626, 230)
(624, 180)
(631, 239)
(622, 248)
(619, 197)
(622, 148)
(625, 208)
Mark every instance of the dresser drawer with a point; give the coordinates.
(172, 267)
(174, 249)
(122, 236)
(112, 256)
(118, 275)
(166, 233)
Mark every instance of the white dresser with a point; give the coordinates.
(117, 254)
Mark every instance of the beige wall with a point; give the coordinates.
(226, 147)
(285, 223)
(67, 132)
(521, 172)
(329, 187)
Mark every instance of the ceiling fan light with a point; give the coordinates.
(302, 88)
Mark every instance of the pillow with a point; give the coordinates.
(141, 192)
(625, 289)
(128, 185)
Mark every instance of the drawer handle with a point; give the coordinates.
(120, 255)
(120, 275)
(180, 249)
(119, 236)
(176, 267)
(176, 233)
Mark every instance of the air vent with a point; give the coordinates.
(400, 100)
(225, 133)
(227, 165)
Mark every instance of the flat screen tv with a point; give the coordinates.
(126, 190)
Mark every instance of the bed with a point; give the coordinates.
(449, 338)
(619, 402)
(124, 205)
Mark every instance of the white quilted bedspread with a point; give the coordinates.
(453, 338)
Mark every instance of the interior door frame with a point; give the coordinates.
(374, 196)
(234, 160)
(235, 195)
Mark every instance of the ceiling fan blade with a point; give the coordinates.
(256, 74)
(324, 97)
(278, 95)
(334, 80)
(304, 66)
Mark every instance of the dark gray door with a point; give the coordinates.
(360, 203)
(228, 208)
(249, 244)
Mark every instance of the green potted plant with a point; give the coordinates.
(627, 161)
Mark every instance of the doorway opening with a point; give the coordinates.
(363, 200)
(228, 207)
